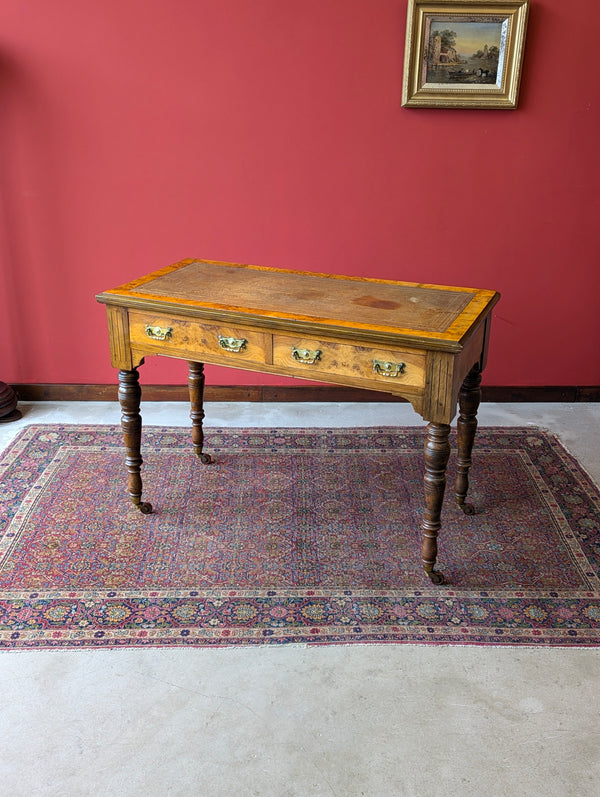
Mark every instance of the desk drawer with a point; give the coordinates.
(393, 367)
(184, 337)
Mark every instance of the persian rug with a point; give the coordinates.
(291, 536)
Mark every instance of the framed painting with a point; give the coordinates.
(464, 54)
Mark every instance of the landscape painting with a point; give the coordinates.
(464, 54)
(465, 51)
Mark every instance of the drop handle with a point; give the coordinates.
(392, 370)
(306, 356)
(234, 345)
(158, 333)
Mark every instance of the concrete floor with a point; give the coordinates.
(342, 721)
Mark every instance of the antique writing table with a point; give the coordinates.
(426, 343)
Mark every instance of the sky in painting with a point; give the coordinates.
(471, 36)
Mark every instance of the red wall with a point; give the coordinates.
(134, 133)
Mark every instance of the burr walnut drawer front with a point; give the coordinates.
(191, 339)
(390, 366)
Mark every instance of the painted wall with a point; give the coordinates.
(134, 133)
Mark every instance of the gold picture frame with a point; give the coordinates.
(465, 54)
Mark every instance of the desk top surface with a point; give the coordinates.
(266, 296)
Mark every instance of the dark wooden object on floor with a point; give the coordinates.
(8, 404)
(424, 343)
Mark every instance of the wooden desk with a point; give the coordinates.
(424, 342)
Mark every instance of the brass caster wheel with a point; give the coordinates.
(145, 508)
(436, 577)
(205, 459)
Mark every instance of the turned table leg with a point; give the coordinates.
(196, 386)
(468, 402)
(437, 452)
(131, 422)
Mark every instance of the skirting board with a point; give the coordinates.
(70, 392)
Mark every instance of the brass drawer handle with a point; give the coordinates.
(158, 333)
(306, 356)
(232, 344)
(388, 369)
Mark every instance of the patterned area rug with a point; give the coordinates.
(305, 536)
